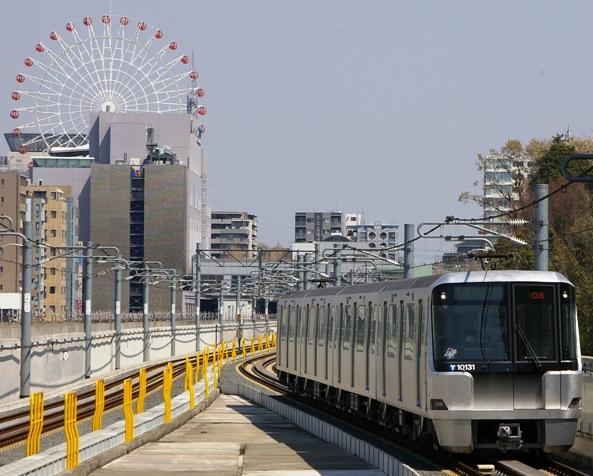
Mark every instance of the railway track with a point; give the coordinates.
(261, 370)
(14, 425)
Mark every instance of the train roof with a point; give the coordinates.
(434, 280)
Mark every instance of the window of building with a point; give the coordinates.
(52, 233)
(52, 271)
(54, 195)
(52, 309)
(53, 214)
(52, 290)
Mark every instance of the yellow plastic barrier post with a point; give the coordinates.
(215, 374)
(197, 367)
(71, 431)
(128, 412)
(226, 351)
(244, 348)
(205, 354)
(189, 378)
(36, 423)
(252, 346)
(214, 355)
(260, 341)
(99, 404)
(141, 391)
(268, 343)
(167, 383)
(234, 350)
(274, 340)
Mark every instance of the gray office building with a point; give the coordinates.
(149, 197)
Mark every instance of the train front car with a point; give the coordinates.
(506, 362)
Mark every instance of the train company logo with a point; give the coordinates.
(450, 353)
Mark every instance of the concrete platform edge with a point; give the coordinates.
(329, 433)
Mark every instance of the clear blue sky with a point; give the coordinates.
(378, 107)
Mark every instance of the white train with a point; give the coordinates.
(465, 361)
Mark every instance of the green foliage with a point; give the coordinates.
(548, 166)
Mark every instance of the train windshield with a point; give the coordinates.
(471, 323)
(476, 326)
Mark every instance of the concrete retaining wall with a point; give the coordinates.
(58, 354)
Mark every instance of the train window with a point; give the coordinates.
(347, 328)
(360, 327)
(311, 323)
(392, 331)
(535, 332)
(339, 327)
(410, 332)
(283, 323)
(568, 323)
(471, 322)
(330, 325)
(322, 326)
(373, 326)
(292, 320)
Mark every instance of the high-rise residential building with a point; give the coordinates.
(234, 231)
(54, 224)
(502, 174)
(13, 209)
(312, 227)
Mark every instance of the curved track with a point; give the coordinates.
(261, 370)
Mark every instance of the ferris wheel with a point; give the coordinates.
(123, 66)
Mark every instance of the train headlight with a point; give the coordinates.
(576, 402)
(437, 404)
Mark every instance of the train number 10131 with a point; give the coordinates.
(462, 367)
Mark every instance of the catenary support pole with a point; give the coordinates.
(27, 274)
(117, 313)
(541, 245)
(197, 284)
(337, 264)
(145, 324)
(173, 316)
(408, 250)
(88, 297)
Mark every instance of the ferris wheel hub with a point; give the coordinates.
(108, 106)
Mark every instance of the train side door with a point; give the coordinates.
(329, 315)
(338, 338)
(381, 355)
(306, 339)
(297, 324)
(410, 360)
(371, 327)
(419, 346)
